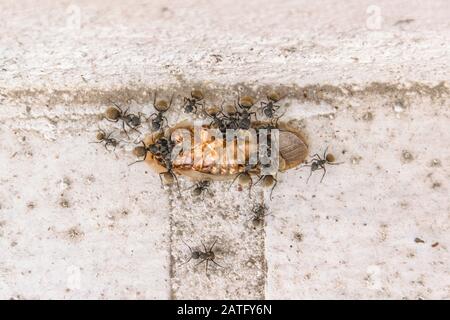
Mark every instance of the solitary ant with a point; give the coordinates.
(318, 163)
(269, 108)
(190, 104)
(114, 114)
(207, 255)
(102, 137)
(259, 212)
(157, 118)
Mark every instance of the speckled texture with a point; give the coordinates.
(77, 222)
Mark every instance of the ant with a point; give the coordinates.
(207, 255)
(190, 104)
(244, 116)
(259, 212)
(269, 108)
(217, 121)
(169, 176)
(245, 179)
(200, 187)
(102, 137)
(318, 163)
(133, 121)
(162, 148)
(157, 118)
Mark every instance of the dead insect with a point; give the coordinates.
(200, 187)
(131, 120)
(157, 118)
(103, 137)
(190, 104)
(259, 212)
(269, 108)
(318, 163)
(204, 256)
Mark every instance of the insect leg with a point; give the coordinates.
(271, 191)
(324, 171)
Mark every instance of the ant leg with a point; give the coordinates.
(124, 130)
(250, 188)
(200, 262)
(204, 247)
(217, 264)
(111, 120)
(234, 180)
(325, 153)
(212, 246)
(186, 261)
(206, 269)
(310, 173)
(260, 178)
(271, 191)
(137, 161)
(323, 175)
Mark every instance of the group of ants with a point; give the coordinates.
(236, 116)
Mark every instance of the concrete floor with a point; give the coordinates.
(369, 80)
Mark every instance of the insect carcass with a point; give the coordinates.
(204, 160)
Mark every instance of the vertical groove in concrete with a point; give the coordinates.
(226, 216)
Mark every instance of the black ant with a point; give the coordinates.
(169, 176)
(190, 104)
(133, 121)
(244, 116)
(207, 255)
(269, 108)
(217, 117)
(318, 163)
(157, 118)
(259, 212)
(102, 137)
(161, 148)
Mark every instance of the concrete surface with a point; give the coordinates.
(369, 79)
